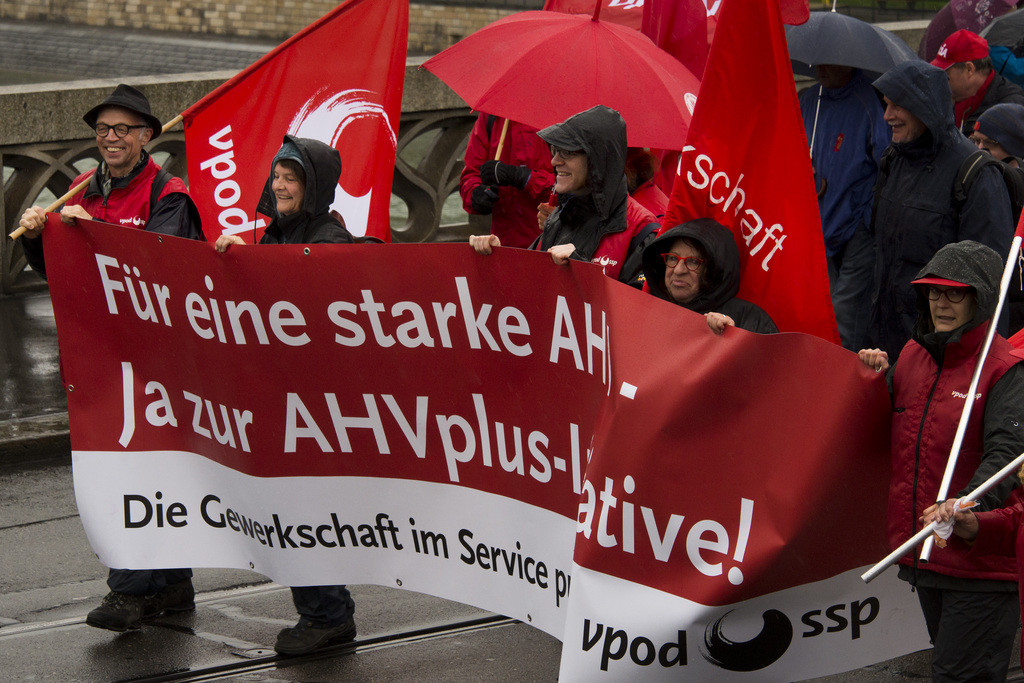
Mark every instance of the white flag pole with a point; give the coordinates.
(926, 532)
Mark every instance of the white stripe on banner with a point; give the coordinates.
(482, 549)
(620, 630)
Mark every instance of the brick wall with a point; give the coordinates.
(432, 27)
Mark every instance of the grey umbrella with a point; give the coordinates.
(833, 38)
(1006, 30)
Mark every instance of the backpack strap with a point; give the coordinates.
(163, 176)
(967, 174)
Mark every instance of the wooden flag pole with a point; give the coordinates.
(501, 140)
(80, 186)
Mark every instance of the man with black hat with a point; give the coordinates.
(128, 188)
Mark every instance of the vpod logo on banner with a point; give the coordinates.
(761, 651)
(758, 652)
(776, 635)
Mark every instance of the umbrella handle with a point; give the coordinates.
(501, 139)
(814, 128)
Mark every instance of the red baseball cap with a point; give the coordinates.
(939, 281)
(962, 46)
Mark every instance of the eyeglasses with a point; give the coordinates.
(120, 129)
(565, 153)
(691, 262)
(954, 295)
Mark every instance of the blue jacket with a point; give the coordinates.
(849, 139)
(1009, 65)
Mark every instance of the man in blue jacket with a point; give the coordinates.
(848, 134)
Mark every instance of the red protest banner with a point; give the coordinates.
(746, 165)
(339, 81)
(429, 422)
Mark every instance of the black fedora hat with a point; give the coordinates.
(126, 97)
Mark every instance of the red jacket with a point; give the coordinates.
(613, 249)
(652, 198)
(1000, 533)
(514, 218)
(927, 402)
(127, 206)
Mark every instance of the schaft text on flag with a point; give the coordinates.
(339, 81)
(746, 165)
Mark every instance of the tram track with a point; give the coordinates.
(253, 659)
(274, 661)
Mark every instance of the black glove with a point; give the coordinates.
(497, 173)
(483, 199)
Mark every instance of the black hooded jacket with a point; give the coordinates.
(313, 224)
(720, 279)
(915, 211)
(584, 220)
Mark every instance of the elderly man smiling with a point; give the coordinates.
(915, 209)
(128, 188)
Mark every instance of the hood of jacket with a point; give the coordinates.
(973, 264)
(600, 132)
(923, 90)
(720, 281)
(322, 165)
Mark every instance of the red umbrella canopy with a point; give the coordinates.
(540, 68)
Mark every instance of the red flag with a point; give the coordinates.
(681, 28)
(339, 81)
(795, 12)
(626, 12)
(746, 165)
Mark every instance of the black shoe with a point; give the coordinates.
(178, 597)
(305, 637)
(117, 612)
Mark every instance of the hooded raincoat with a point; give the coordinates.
(325, 606)
(720, 278)
(929, 383)
(915, 211)
(313, 224)
(969, 601)
(595, 221)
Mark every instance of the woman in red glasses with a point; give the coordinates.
(697, 265)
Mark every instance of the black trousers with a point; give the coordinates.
(972, 632)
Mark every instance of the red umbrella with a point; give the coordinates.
(540, 68)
